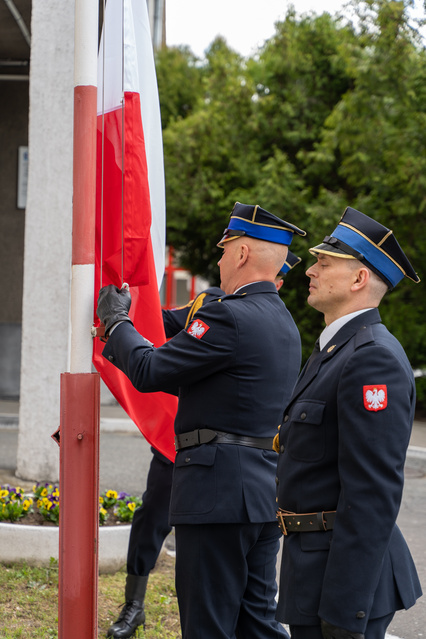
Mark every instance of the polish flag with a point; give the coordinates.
(130, 202)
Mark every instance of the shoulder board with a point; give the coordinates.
(364, 336)
(196, 304)
(234, 296)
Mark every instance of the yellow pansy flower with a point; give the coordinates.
(27, 503)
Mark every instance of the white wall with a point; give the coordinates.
(48, 228)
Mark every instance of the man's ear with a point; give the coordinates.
(243, 255)
(362, 276)
(278, 283)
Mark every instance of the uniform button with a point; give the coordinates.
(286, 417)
(360, 614)
(303, 416)
(111, 358)
(282, 448)
(187, 459)
(279, 426)
(277, 481)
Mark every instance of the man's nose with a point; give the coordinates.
(310, 272)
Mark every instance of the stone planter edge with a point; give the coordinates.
(35, 545)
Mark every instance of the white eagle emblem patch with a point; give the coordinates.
(375, 397)
(198, 329)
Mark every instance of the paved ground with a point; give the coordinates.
(125, 458)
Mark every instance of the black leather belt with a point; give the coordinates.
(305, 522)
(208, 436)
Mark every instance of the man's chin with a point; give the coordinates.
(311, 301)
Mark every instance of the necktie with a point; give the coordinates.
(314, 355)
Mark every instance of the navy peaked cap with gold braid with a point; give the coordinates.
(358, 236)
(253, 221)
(291, 261)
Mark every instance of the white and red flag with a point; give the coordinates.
(130, 202)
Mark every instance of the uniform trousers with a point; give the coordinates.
(150, 524)
(376, 629)
(226, 580)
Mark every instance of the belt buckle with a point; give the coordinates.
(281, 523)
(322, 523)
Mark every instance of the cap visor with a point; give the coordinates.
(227, 238)
(328, 249)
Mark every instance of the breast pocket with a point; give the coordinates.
(306, 439)
(194, 481)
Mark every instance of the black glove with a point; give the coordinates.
(333, 632)
(113, 306)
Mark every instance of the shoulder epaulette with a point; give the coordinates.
(364, 336)
(196, 305)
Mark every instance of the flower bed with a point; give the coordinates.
(14, 504)
(42, 505)
(37, 541)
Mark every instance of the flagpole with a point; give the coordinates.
(80, 388)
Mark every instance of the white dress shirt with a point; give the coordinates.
(330, 331)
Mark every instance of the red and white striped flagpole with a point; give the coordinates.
(80, 388)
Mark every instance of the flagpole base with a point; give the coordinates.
(79, 510)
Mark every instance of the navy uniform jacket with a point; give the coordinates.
(343, 444)
(235, 365)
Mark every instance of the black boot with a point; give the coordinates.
(132, 614)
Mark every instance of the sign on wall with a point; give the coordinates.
(22, 177)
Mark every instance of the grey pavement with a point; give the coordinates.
(124, 461)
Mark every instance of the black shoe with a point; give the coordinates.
(131, 617)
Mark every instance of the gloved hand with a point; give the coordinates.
(113, 306)
(333, 632)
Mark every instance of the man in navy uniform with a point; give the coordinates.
(150, 524)
(346, 567)
(235, 366)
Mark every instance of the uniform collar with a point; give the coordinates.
(344, 334)
(330, 331)
(256, 287)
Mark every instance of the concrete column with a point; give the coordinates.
(48, 238)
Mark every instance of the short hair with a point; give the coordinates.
(378, 287)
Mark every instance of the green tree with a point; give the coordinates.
(209, 161)
(243, 140)
(180, 82)
(299, 76)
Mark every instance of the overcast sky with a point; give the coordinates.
(245, 24)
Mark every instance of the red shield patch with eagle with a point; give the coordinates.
(198, 328)
(375, 397)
